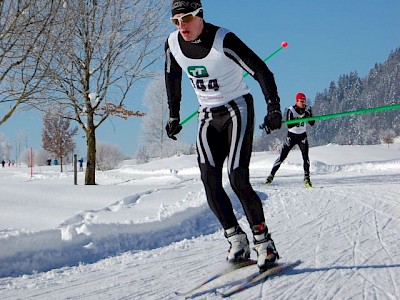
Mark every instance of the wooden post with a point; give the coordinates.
(75, 170)
(31, 162)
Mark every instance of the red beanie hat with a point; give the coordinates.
(300, 96)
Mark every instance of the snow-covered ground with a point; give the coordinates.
(145, 231)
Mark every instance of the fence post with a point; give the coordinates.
(75, 170)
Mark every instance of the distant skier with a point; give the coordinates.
(297, 135)
(214, 59)
(80, 164)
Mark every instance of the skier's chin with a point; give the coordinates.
(186, 36)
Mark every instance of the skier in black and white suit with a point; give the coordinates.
(297, 135)
(214, 59)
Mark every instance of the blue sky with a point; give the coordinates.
(326, 39)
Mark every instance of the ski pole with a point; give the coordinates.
(336, 115)
(346, 113)
(283, 45)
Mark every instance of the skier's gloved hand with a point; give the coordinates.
(308, 112)
(273, 120)
(173, 128)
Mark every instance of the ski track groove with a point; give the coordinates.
(362, 221)
(319, 220)
(313, 289)
(283, 206)
(356, 241)
(362, 213)
(394, 285)
(375, 288)
(317, 246)
(345, 283)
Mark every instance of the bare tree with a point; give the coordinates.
(24, 38)
(42, 157)
(57, 137)
(26, 156)
(104, 47)
(108, 156)
(19, 147)
(142, 155)
(152, 127)
(387, 136)
(5, 148)
(156, 143)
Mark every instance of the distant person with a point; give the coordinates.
(3, 163)
(214, 59)
(49, 162)
(80, 164)
(297, 135)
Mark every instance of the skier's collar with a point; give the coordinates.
(196, 41)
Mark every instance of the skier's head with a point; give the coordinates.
(301, 100)
(187, 15)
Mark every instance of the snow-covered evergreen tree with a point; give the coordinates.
(379, 88)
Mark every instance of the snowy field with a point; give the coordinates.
(145, 231)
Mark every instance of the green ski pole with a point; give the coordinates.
(283, 45)
(343, 114)
(336, 115)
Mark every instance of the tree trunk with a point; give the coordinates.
(61, 163)
(90, 175)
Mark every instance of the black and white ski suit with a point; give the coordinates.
(297, 135)
(214, 64)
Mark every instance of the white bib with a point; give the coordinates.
(300, 127)
(216, 79)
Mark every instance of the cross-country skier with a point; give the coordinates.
(297, 135)
(214, 59)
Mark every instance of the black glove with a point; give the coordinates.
(308, 112)
(273, 120)
(173, 128)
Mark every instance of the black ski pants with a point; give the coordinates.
(226, 133)
(293, 139)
